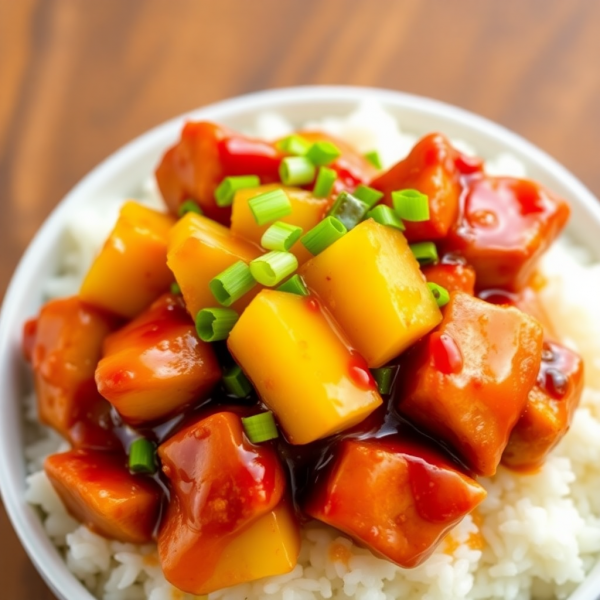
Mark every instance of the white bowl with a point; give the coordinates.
(121, 174)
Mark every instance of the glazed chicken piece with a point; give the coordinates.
(453, 277)
(549, 409)
(205, 154)
(467, 383)
(395, 495)
(433, 167)
(100, 492)
(156, 366)
(505, 225)
(352, 168)
(220, 485)
(64, 345)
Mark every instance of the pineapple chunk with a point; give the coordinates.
(307, 211)
(131, 270)
(372, 284)
(302, 368)
(200, 249)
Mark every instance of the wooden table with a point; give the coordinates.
(78, 79)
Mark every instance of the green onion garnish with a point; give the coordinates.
(425, 253)
(294, 285)
(230, 285)
(188, 206)
(270, 206)
(296, 170)
(374, 158)
(214, 324)
(260, 428)
(230, 185)
(411, 205)
(384, 378)
(384, 215)
(349, 210)
(280, 236)
(294, 144)
(322, 153)
(368, 195)
(175, 289)
(236, 383)
(324, 184)
(142, 457)
(441, 295)
(321, 236)
(273, 267)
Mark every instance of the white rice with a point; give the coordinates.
(534, 535)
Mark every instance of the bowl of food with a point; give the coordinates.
(310, 343)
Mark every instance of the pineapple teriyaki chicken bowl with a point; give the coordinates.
(328, 358)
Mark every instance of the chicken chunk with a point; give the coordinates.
(156, 366)
(64, 344)
(100, 492)
(220, 484)
(410, 496)
(549, 409)
(468, 381)
(505, 225)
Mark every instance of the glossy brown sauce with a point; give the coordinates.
(306, 464)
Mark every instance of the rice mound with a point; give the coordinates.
(534, 536)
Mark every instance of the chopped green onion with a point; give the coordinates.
(324, 184)
(384, 378)
(260, 428)
(441, 295)
(425, 253)
(322, 153)
(230, 185)
(294, 285)
(294, 144)
(214, 324)
(384, 215)
(411, 205)
(189, 206)
(230, 285)
(349, 210)
(273, 267)
(280, 236)
(270, 206)
(296, 170)
(175, 289)
(142, 457)
(321, 236)
(236, 383)
(374, 158)
(368, 195)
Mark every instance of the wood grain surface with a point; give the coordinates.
(80, 78)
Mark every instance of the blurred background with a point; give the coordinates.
(80, 78)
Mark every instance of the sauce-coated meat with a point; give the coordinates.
(65, 344)
(549, 409)
(434, 168)
(468, 381)
(220, 483)
(504, 226)
(396, 496)
(99, 491)
(156, 365)
(205, 154)
(455, 277)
